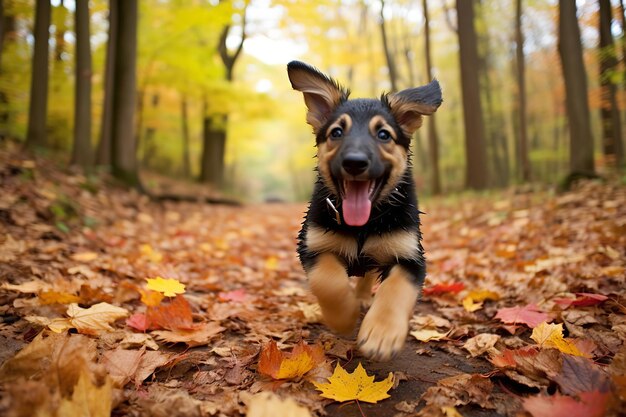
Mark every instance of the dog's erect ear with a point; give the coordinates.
(322, 94)
(408, 106)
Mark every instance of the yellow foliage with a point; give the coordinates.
(551, 336)
(169, 287)
(88, 399)
(343, 386)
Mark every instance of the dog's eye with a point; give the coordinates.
(336, 132)
(384, 135)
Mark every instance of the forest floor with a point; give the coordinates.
(523, 311)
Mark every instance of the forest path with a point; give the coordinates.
(66, 239)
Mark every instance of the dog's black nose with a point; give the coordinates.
(355, 163)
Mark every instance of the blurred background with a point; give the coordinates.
(197, 91)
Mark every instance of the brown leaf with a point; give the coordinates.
(483, 343)
(202, 334)
(460, 390)
(579, 375)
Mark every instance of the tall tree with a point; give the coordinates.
(609, 110)
(38, 107)
(82, 150)
(433, 139)
(573, 67)
(391, 64)
(103, 155)
(124, 148)
(523, 161)
(475, 149)
(215, 126)
(184, 116)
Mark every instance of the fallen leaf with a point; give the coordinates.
(151, 298)
(470, 305)
(529, 315)
(281, 365)
(551, 336)
(147, 251)
(173, 315)
(266, 404)
(121, 365)
(482, 343)
(460, 389)
(344, 386)
(96, 318)
(583, 299)
(199, 336)
(138, 321)
(438, 289)
(84, 256)
(54, 297)
(426, 335)
(31, 287)
(590, 404)
(579, 375)
(169, 287)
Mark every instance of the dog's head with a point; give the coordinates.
(363, 144)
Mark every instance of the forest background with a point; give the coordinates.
(197, 90)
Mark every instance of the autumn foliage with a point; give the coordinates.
(118, 305)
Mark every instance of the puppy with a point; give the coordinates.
(363, 218)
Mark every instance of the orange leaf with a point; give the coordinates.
(151, 298)
(439, 289)
(54, 297)
(175, 315)
(281, 365)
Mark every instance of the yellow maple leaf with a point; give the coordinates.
(96, 318)
(450, 412)
(343, 386)
(551, 336)
(470, 306)
(169, 287)
(88, 399)
(281, 365)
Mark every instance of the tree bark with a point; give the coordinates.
(391, 65)
(576, 100)
(105, 146)
(124, 150)
(184, 115)
(215, 126)
(475, 150)
(433, 139)
(82, 151)
(523, 160)
(38, 108)
(609, 110)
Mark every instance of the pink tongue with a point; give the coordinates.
(356, 203)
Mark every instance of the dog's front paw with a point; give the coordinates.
(382, 334)
(343, 315)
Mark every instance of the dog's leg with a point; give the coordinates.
(330, 284)
(386, 324)
(364, 287)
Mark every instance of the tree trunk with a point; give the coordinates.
(433, 139)
(2, 30)
(213, 146)
(475, 150)
(609, 110)
(184, 115)
(391, 65)
(124, 150)
(523, 161)
(105, 146)
(38, 108)
(576, 100)
(82, 151)
(59, 33)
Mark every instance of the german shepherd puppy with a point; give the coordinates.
(363, 218)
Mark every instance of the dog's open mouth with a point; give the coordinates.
(357, 200)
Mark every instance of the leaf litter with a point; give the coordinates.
(522, 313)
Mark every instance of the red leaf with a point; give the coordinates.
(583, 299)
(138, 321)
(453, 288)
(508, 358)
(175, 315)
(529, 315)
(591, 404)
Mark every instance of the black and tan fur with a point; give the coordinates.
(364, 140)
